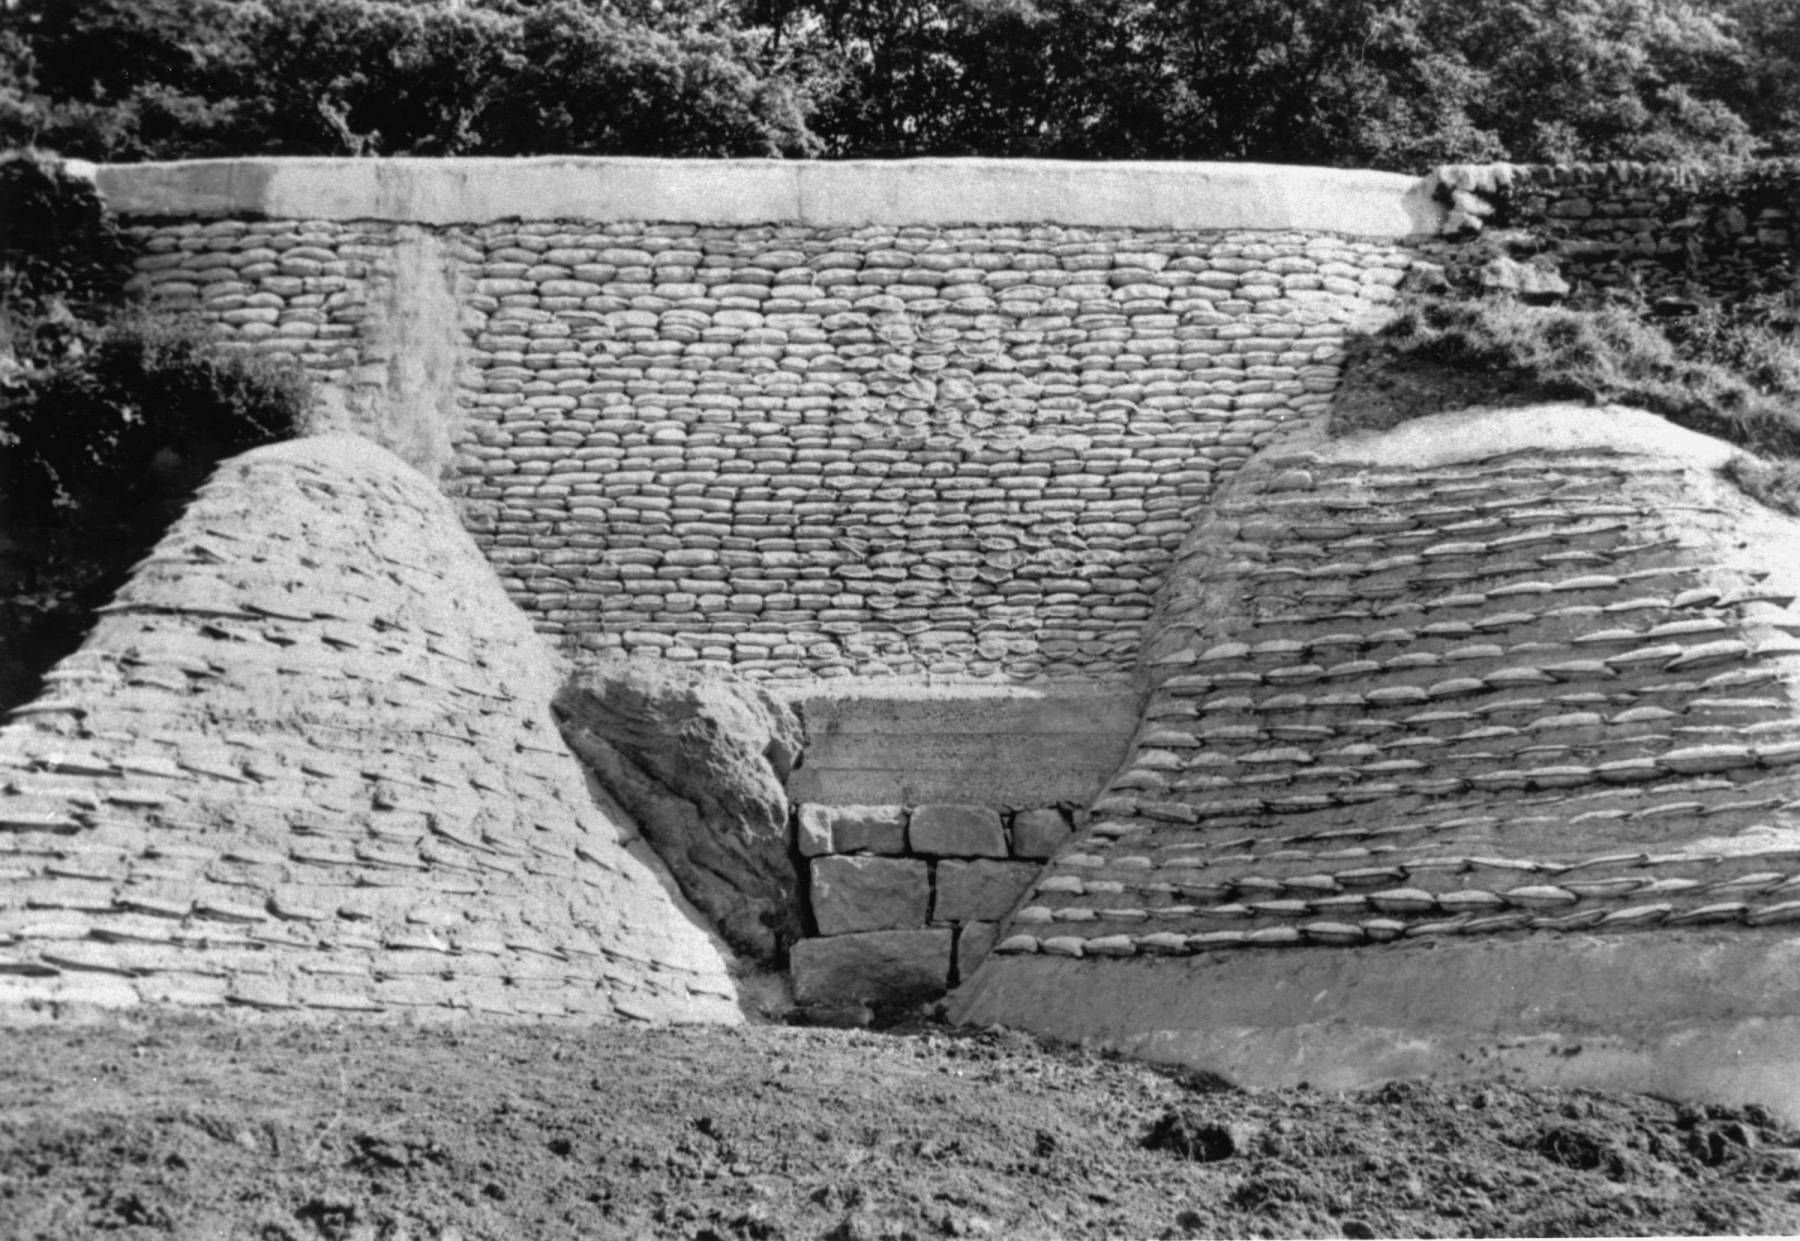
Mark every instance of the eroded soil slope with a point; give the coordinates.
(196, 1128)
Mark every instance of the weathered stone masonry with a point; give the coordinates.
(907, 902)
(1667, 230)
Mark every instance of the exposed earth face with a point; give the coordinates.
(200, 1127)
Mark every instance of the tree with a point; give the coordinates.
(588, 82)
(1386, 83)
(348, 77)
(1767, 91)
(1394, 83)
(119, 79)
(1569, 80)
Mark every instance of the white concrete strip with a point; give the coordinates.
(733, 192)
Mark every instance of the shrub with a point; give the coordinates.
(152, 405)
(591, 82)
(1774, 483)
(1607, 354)
(344, 77)
(107, 418)
(63, 264)
(1754, 337)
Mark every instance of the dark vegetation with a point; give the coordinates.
(1728, 371)
(108, 418)
(1384, 83)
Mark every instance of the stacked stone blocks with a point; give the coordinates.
(1666, 230)
(906, 901)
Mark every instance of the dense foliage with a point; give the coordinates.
(96, 402)
(1384, 83)
(150, 403)
(107, 418)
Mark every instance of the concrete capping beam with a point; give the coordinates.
(742, 192)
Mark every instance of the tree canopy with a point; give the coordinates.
(1382, 83)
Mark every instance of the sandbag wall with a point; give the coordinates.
(798, 438)
(305, 762)
(812, 452)
(294, 288)
(1472, 751)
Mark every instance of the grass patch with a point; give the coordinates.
(1730, 374)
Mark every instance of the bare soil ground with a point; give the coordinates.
(200, 1127)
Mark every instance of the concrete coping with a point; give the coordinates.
(855, 193)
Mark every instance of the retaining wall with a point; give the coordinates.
(906, 901)
(305, 762)
(807, 420)
(1471, 749)
(1665, 230)
(827, 424)
(952, 420)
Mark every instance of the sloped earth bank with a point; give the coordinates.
(191, 1127)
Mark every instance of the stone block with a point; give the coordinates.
(874, 967)
(862, 893)
(813, 830)
(972, 891)
(854, 829)
(948, 829)
(974, 940)
(1039, 833)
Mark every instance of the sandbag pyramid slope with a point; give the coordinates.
(1481, 730)
(305, 761)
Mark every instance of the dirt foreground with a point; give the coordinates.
(203, 1128)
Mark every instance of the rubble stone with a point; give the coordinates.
(700, 759)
